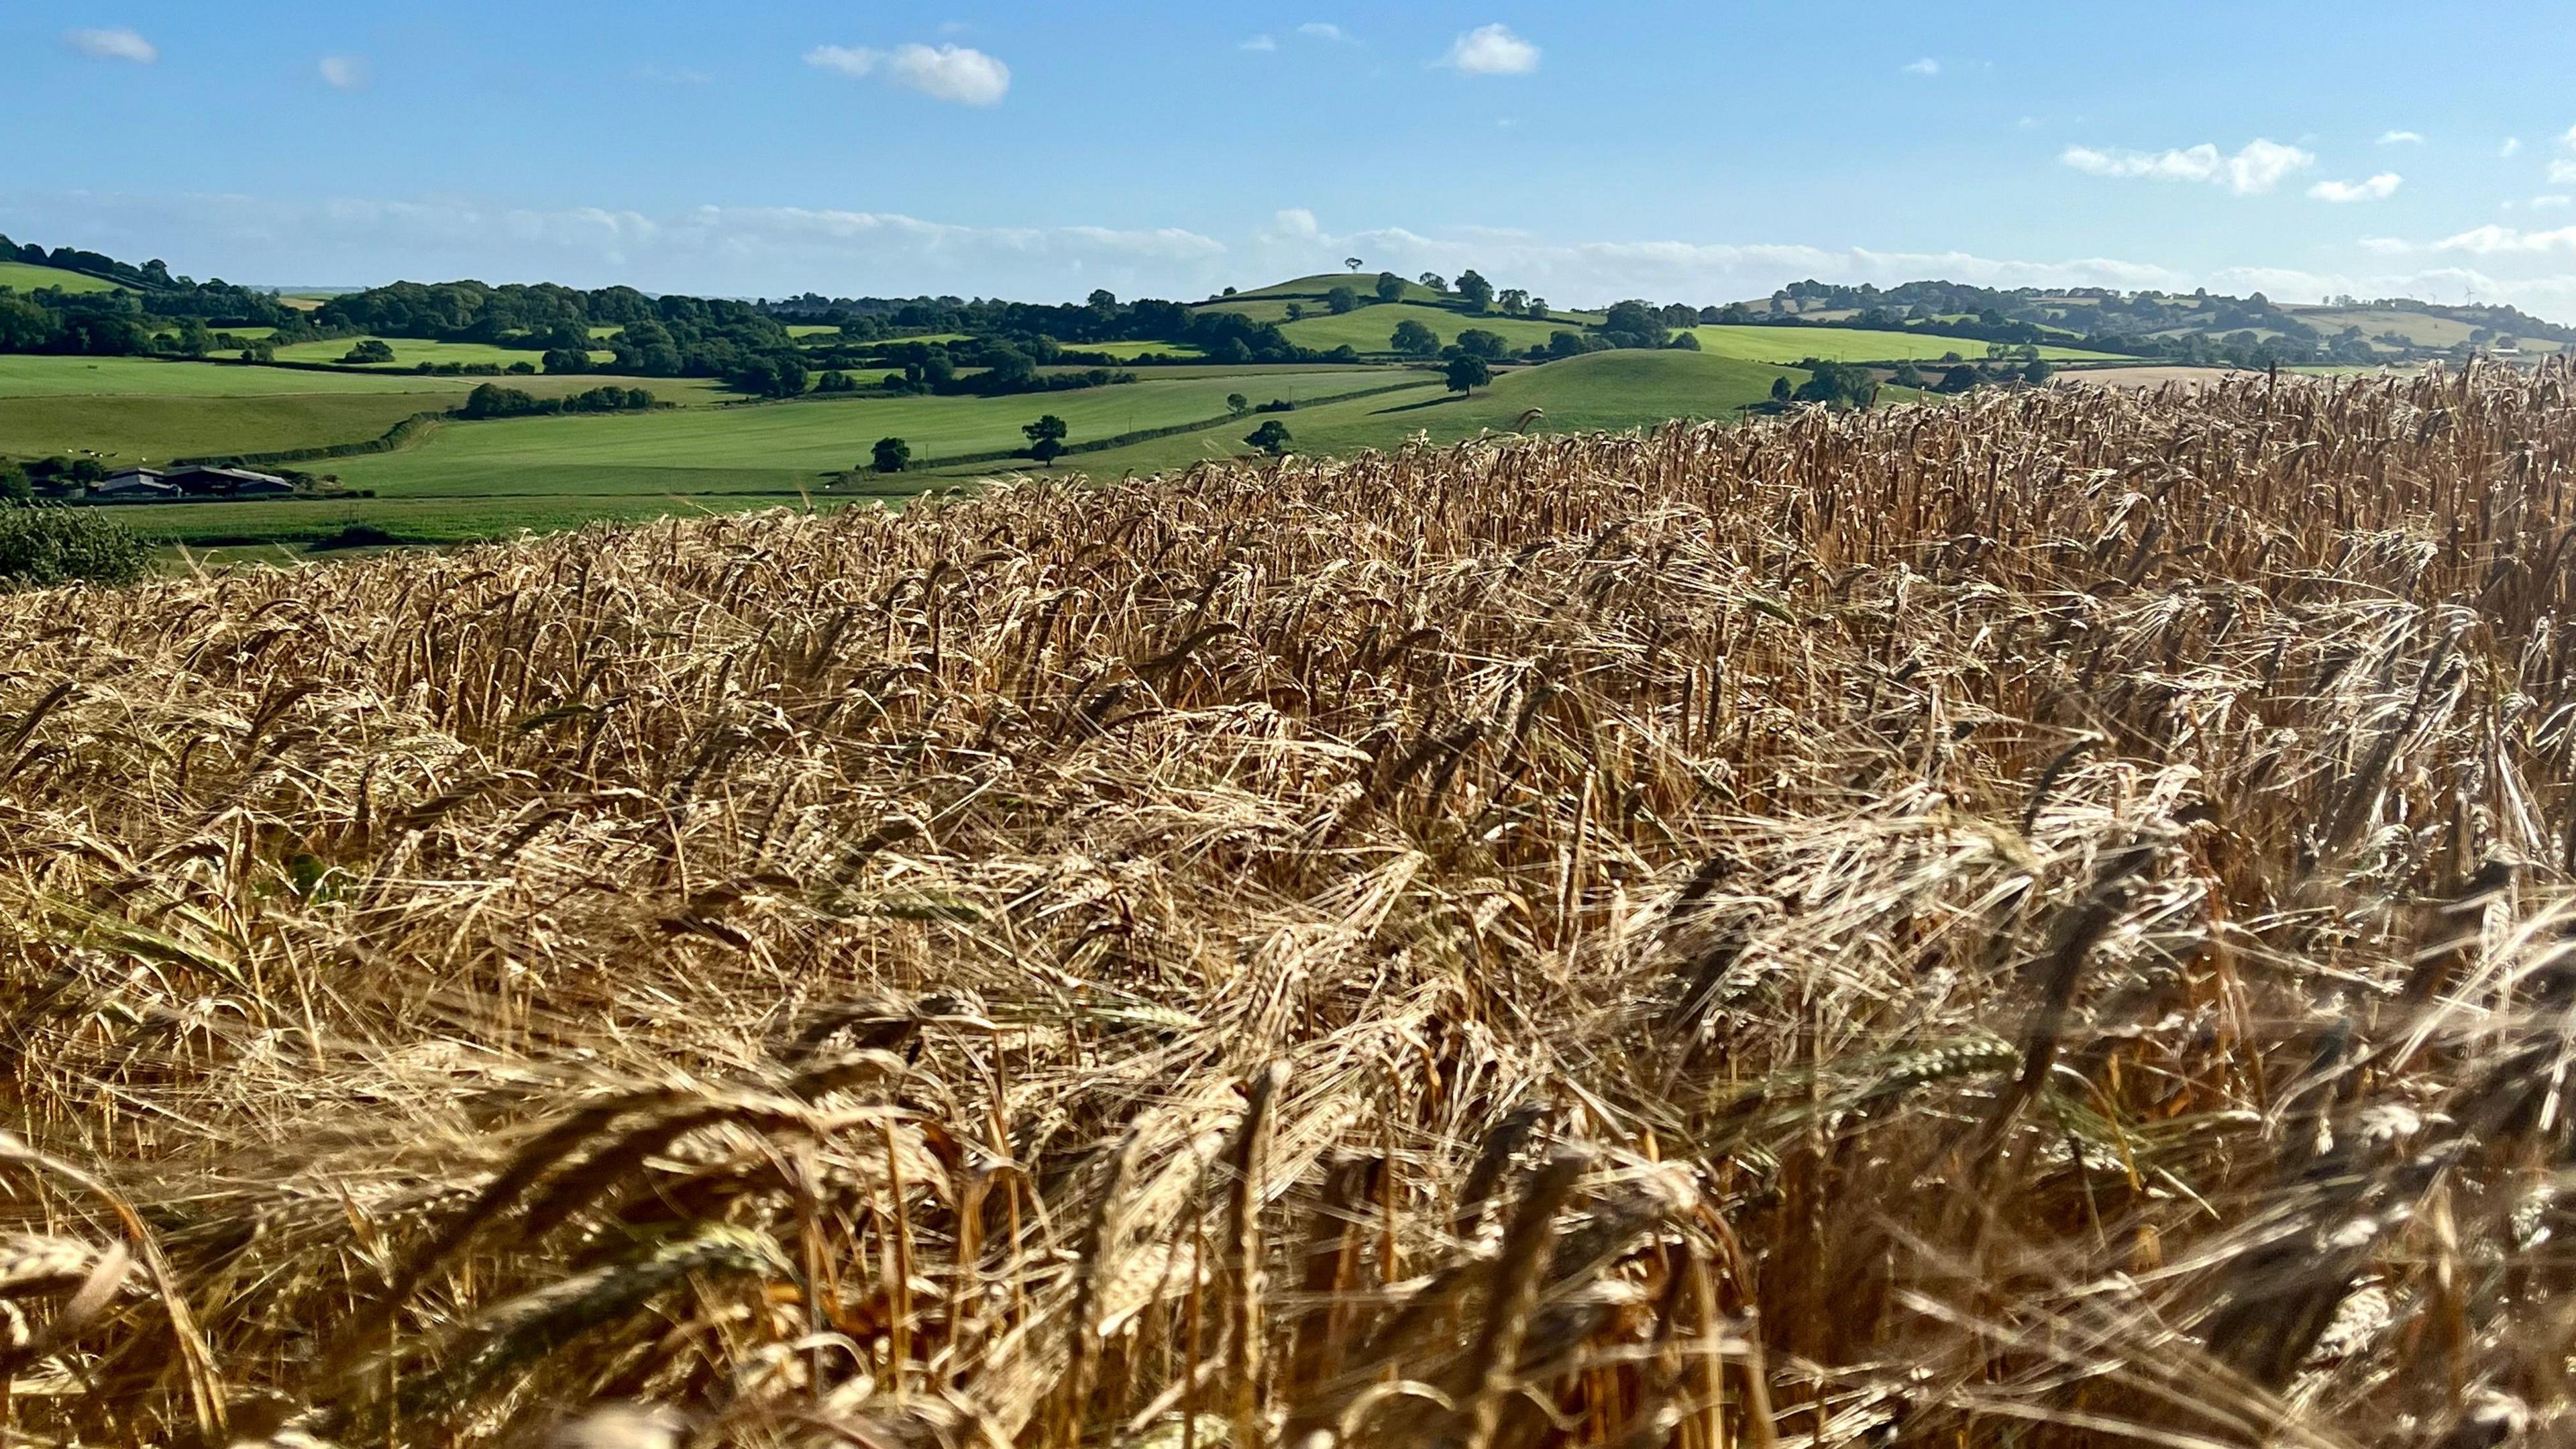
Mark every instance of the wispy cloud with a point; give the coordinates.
(2257, 168)
(2552, 203)
(2507, 241)
(1259, 42)
(116, 44)
(1323, 30)
(2377, 188)
(1491, 50)
(2511, 145)
(1926, 66)
(1296, 223)
(2401, 138)
(956, 73)
(343, 72)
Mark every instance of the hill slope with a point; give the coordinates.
(28, 277)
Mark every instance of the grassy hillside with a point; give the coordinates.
(411, 351)
(1369, 328)
(28, 277)
(1597, 390)
(127, 410)
(1836, 344)
(785, 448)
(1314, 288)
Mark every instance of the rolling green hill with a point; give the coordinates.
(1597, 390)
(1369, 328)
(782, 448)
(28, 277)
(409, 352)
(1757, 343)
(126, 410)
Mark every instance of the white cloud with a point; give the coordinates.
(2401, 138)
(2377, 188)
(1259, 42)
(2511, 145)
(1926, 66)
(945, 72)
(1323, 30)
(2506, 241)
(2257, 168)
(1296, 221)
(2562, 172)
(776, 251)
(344, 72)
(2551, 203)
(1491, 50)
(117, 44)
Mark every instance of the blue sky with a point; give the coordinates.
(1694, 152)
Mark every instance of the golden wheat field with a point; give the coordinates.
(2040, 921)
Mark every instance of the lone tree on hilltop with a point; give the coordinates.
(1513, 300)
(1413, 339)
(1467, 372)
(1390, 287)
(1271, 437)
(1353, 263)
(1046, 438)
(1434, 281)
(1237, 404)
(1475, 291)
(1536, 308)
(891, 455)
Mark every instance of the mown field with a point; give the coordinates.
(1600, 390)
(1756, 343)
(1370, 328)
(2039, 922)
(28, 277)
(410, 352)
(785, 448)
(126, 410)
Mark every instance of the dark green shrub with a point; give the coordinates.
(42, 545)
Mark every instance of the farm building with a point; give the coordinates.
(229, 483)
(131, 483)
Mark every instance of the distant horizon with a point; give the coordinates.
(1007, 149)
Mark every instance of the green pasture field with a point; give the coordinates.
(1757, 343)
(1579, 394)
(28, 277)
(1370, 328)
(275, 532)
(1137, 349)
(129, 410)
(782, 449)
(1314, 288)
(410, 352)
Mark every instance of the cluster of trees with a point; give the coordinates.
(176, 316)
(491, 400)
(669, 336)
(1002, 369)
